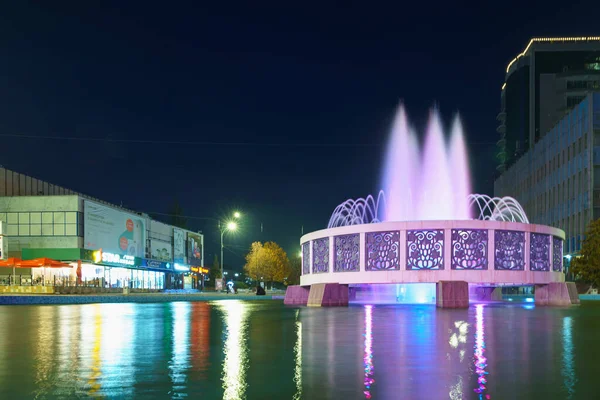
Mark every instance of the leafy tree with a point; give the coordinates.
(215, 270)
(294, 271)
(268, 262)
(587, 267)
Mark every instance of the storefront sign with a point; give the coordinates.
(102, 257)
(156, 264)
(182, 268)
(199, 270)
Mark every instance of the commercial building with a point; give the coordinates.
(557, 180)
(542, 84)
(106, 245)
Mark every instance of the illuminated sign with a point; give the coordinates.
(118, 259)
(155, 264)
(181, 267)
(102, 257)
(199, 270)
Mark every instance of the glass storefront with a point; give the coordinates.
(118, 277)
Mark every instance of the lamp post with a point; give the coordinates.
(229, 226)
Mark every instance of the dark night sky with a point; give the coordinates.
(278, 76)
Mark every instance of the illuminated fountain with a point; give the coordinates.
(426, 227)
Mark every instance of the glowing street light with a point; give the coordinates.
(230, 226)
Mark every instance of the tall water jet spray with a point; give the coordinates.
(459, 165)
(400, 163)
(436, 190)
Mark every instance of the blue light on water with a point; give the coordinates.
(529, 300)
(529, 307)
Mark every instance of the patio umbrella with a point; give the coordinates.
(42, 262)
(11, 262)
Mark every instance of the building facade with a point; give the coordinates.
(544, 82)
(106, 245)
(557, 181)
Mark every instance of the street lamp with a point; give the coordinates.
(231, 227)
(237, 215)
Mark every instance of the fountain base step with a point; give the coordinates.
(296, 295)
(452, 294)
(556, 294)
(328, 295)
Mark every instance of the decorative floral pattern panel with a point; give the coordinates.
(320, 255)
(347, 249)
(425, 249)
(382, 251)
(509, 253)
(306, 258)
(557, 254)
(539, 252)
(469, 249)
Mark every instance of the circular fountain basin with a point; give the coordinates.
(476, 251)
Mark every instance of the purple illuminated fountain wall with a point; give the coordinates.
(415, 181)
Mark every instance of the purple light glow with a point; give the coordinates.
(368, 357)
(414, 183)
(480, 360)
(395, 293)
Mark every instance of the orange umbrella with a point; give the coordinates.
(10, 262)
(42, 262)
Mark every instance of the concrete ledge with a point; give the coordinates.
(452, 294)
(27, 289)
(556, 294)
(328, 295)
(296, 295)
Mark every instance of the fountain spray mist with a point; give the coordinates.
(432, 185)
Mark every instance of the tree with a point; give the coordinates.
(215, 270)
(268, 262)
(294, 271)
(587, 266)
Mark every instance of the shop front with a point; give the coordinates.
(198, 277)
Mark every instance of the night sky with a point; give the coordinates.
(278, 110)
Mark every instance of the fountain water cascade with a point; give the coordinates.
(426, 227)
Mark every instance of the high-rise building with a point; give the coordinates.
(557, 181)
(542, 84)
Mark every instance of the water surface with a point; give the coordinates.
(263, 350)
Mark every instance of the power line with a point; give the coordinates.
(203, 143)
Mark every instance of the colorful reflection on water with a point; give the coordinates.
(368, 358)
(264, 350)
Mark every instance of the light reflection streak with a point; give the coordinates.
(456, 390)
(44, 354)
(235, 350)
(368, 357)
(480, 360)
(117, 356)
(180, 360)
(298, 354)
(568, 369)
(94, 382)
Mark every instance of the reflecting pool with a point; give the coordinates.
(264, 350)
